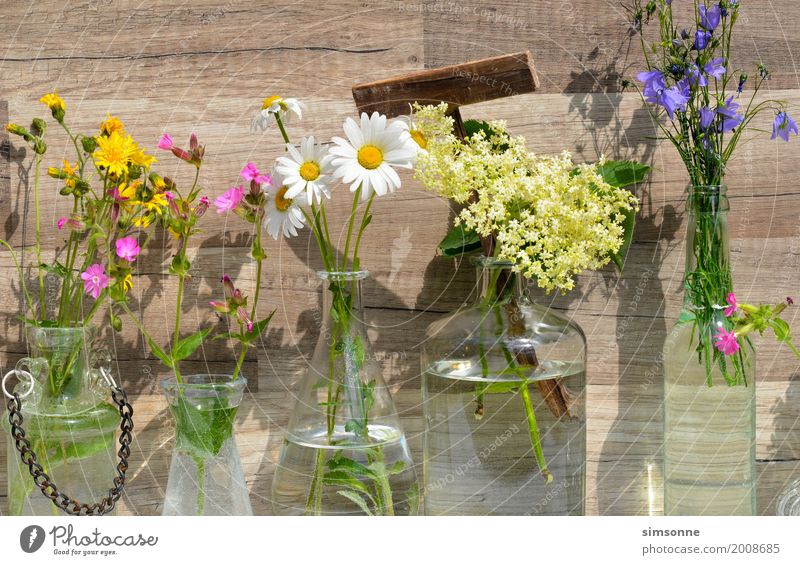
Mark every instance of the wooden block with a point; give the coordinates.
(458, 85)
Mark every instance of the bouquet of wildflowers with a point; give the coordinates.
(547, 217)
(303, 181)
(114, 200)
(696, 96)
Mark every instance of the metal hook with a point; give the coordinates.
(106, 374)
(17, 373)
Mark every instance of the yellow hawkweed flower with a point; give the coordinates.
(53, 101)
(115, 153)
(142, 221)
(156, 204)
(127, 191)
(141, 158)
(69, 169)
(127, 283)
(110, 125)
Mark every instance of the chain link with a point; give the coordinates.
(46, 484)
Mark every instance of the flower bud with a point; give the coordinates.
(38, 125)
(89, 144)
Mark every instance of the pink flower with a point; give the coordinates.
(169, 196)
(128, 248)
(726, 342)
(230, 200)
(94, 280)
(789, 300)
(205, 200)
(165, 142)
(732, 306)
(60, 223)
(251, 173)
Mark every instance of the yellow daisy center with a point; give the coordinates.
(281, 202)
(419, 137)
(269, 102)
(309, 171)
(370, 157)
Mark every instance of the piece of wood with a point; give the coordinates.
(458, 85)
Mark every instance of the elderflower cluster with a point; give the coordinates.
(552, 218)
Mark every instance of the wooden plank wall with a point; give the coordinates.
(204, 66)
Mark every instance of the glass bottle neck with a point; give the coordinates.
(497, 282)
(342, 298)
(707, 246)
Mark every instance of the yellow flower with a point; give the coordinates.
(156, 204)
(175, 234)
(141, 158)
(53, 101)
(127, 283)
(110, 125)
(115, 152)
(69, 169)
(159, 184)
(128, 191)
(142, 221)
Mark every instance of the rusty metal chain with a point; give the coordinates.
(46, 484)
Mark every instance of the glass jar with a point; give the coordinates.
(67, 418)
(345, 451)
(709, 397)
(504, 403)
(205, 475)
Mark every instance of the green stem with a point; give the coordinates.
(364, 220)
(350, 223)
(177, 334)
(38, 237)
(314, 500)
(28, 298)
(533, 430)
(279, 121)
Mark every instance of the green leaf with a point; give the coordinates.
(158, 352)
(686, 317)
(501, 387)
(189, 344)
(397, 468)
(349, 465)
(358, 499)
(459, 241)
(782, 330)
(343, 479)
(259, 327)
(56, 269)
(229, 335)
(203, 428)
(623, 173)
(628, 225)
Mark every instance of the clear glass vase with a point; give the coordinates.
(67, 418)
(504, 402)
(205, 475)
(709, 397)
(345, 451)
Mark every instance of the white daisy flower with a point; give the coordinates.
(282, 214)
(415, 132)
(369, 154)
(277, 106)
(308, 170)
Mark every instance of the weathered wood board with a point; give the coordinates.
(205, 66)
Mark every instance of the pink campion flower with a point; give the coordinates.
(789, 300)
(202, 207)
(165, 142)
(128, 248)
(732, 305)
(251, 173)
(169, 196)
(60, 223)
(95, 280)
(229, 200)
(726, 342)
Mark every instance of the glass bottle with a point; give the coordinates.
(67, 417)
(709, 397)
(205, 475)
(504, 402)
(344, 451)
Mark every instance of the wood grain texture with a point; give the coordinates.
(458, 85)
(205, 66)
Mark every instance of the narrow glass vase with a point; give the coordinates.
(205, 476)
(504, 401)
(67, 418)
(709, 396)
(344, 451)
